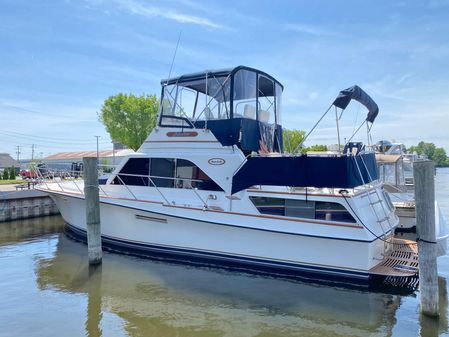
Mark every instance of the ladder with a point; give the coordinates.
(373, 203)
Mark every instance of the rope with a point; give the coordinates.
(92, 186)
(426, 241)
(361, 222)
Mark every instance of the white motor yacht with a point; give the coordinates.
(211, 184)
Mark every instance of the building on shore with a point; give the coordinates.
(108, 157)
(6, 161)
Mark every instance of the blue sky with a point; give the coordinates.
(59, 60)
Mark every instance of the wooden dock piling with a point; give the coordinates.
(92, 198)
(423, 174)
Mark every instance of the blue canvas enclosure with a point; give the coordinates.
(246, 133)
(306, 171)
(241, 106)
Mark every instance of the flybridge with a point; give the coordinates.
(241, 106)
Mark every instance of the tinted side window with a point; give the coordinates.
(133, 171)
(274, 206)
(163, 172)
(188, 175)
(319, 210)
(332, 211)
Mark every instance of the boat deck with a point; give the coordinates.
(401, 262)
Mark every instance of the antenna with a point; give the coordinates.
(168, 77)
(174, 56)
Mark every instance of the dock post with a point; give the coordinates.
(92, 198)
(423, 175)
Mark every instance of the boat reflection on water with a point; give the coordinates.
(29, 229)
(140, 297)
(170, 299)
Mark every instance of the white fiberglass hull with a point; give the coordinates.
(407, 222)
(226, 238)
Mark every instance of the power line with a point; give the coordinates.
(47, 139)
(39, 112)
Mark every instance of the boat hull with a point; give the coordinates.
(407, 224)
(140, 228)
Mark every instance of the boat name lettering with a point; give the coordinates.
(182, 134)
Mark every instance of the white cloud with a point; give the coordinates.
(139, 8)
(310, 29)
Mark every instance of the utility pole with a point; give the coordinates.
(18, 153)
(32, 152)
(98, 153)
(113, 153)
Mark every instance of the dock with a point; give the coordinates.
(18, 204)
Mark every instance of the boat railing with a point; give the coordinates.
(151, 183)
(71, 181)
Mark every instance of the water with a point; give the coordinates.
(47, 289)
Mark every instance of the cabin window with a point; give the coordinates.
(188, 175)
(274, 206)
(179, 173)
(162, 172)
(134, 172)
(318, 210)
(332, 211)
(245, 98)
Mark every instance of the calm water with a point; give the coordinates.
(47, 289)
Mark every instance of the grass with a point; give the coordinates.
(16, 181)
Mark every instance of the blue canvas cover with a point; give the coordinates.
(356, 93)
(306, 171)
(246, 133)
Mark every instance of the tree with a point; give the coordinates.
(5, 173)
(437, 154)
(316, 148)
(292, 138)
(12, 173)
(128, 118)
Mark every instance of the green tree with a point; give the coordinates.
(423, 148)
(292, 138)
(5, 173)
(128, 118)
(12, 173)
(439, 156)
(316, 148)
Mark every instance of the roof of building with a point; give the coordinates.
(80, 154)
(7, 161)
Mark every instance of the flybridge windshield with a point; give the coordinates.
(238, 93)
(199, 99)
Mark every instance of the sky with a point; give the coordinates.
(60, 60)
